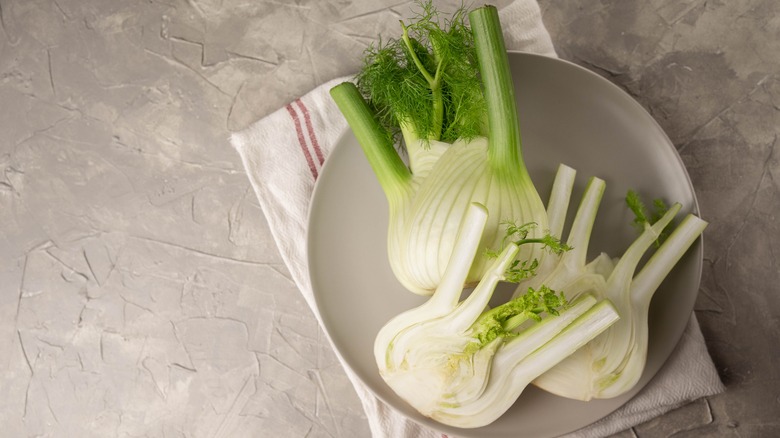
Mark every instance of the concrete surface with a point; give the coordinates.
(140, 291)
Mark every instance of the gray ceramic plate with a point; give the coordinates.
(568, 115)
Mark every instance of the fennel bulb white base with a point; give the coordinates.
(426, 219)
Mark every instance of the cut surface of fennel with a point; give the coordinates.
(613, 363)
(432, 357)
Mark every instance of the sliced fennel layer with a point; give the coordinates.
(435, 358)
(613, 363)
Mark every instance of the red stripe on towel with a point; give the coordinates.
(302, 140)
(310, 128)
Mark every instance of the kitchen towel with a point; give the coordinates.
(283, 155)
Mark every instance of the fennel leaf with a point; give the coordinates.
(426, 82)
(644, 219)
(500, 321)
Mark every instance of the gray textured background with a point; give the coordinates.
(140, 291)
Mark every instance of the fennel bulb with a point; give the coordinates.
(449, 95)
(613, 363)
(464, 366)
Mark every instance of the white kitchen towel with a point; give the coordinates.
(283, 155)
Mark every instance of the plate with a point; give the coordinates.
(567, 115)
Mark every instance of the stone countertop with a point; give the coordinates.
(141, 293)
